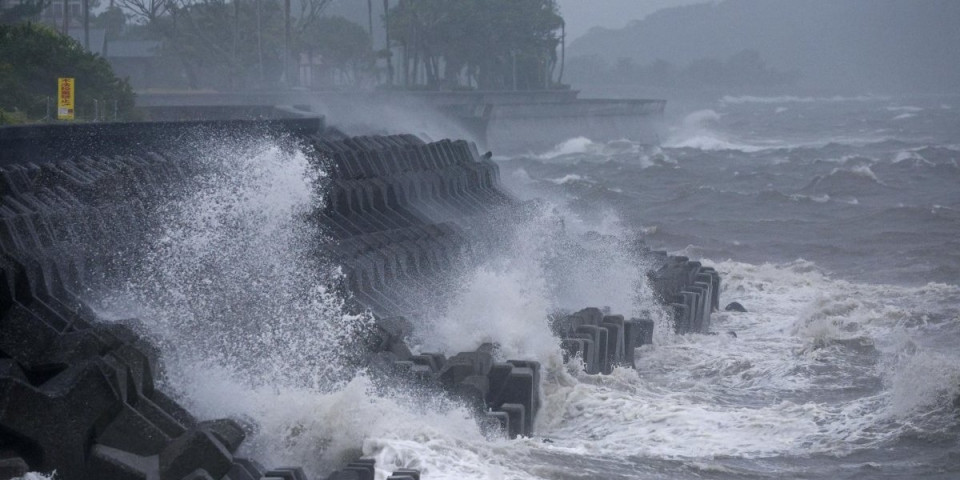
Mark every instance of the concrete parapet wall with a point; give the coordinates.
(508, 121)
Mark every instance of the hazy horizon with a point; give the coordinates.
(583, 15)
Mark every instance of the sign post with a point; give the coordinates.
(65, 98)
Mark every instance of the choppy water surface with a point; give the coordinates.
(835, 221)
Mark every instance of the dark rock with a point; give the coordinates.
(13, 467)
(407, 472)
(229, 432)
(517, 414)
(132, 432)
(196, 449)
(244, 468)
(287, 473)
(198, 474)
(107, 462)
(495, 423)
(60, 415)
(735, 307)
(344, 475)
(364, 470)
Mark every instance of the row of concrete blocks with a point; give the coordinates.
(332, 141)
(56, 224)
(690, 290)
(349, 164)
(399, 264)
(94, 178)
(438, 192)
(424, 197)
(78, 396)
(394, 208)
(365, 469)
(601, 341)
(505, 396)
(71, 209)
(351, 161)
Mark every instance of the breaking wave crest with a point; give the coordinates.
(699, 130)
(731, 99)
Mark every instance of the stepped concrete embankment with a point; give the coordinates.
(79, 393)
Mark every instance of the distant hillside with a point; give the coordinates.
(889, 45)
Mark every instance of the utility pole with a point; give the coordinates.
(386, 28)
(86, 24)
(66, 17)
(370, 20)
(286, 42)
(259, 43)
(236, 34)
(563, 50)
(513, 54)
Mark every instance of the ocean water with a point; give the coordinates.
(834, 221)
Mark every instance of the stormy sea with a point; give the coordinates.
(834, 221)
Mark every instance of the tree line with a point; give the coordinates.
(743, 69)
(484, 44)
(243, 44)
(434, 44)
(33, 56)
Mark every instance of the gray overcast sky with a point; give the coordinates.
(582, 15)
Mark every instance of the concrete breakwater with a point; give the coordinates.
(78, 392)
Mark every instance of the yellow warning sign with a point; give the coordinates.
(65, 99)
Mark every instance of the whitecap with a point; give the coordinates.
(571, 146)
(698, 130)
(731, 99)
(568, 178)
(906, 108)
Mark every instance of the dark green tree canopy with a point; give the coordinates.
(488, 44)
(343, 46)
(23, 10)
(33, 56)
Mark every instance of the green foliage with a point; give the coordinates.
(112, 20)
(227, 44)
(23, 10)
(216, 47)
(490, 44)
(33, 56)
(343, 46)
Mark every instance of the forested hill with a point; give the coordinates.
(881, 45)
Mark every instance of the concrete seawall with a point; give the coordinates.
(503, 121)
(79, 394)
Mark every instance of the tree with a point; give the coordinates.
(23, 10)
(148, 11)
(112, 20)
(227, 44)
(33, 56)
(344, 48)
(490, 44)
